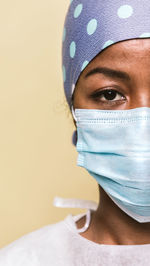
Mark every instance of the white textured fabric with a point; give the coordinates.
(60, 244)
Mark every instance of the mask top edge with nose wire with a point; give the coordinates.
(116, 115)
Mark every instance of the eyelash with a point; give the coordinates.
(96, 96)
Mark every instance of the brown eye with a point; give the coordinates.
(108, 95)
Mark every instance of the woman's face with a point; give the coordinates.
(117, 79)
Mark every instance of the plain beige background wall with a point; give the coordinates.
(37, 160)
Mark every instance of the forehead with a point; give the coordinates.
(126, 50)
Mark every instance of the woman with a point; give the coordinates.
(106, 62)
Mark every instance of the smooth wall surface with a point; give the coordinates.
(37, 159)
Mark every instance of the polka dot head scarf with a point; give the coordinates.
(92, 25)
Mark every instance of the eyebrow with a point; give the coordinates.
(109, 73)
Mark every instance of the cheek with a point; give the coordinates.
(81, 99)
(78, 97)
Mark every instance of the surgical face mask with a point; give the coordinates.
(114, 147)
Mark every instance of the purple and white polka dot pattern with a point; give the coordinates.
(93, 25)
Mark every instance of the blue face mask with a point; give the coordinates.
(114, 146)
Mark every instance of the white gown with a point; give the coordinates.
(61, 244)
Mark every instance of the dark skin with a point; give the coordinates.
(121, 81)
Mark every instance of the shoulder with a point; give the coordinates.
(38, 247)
